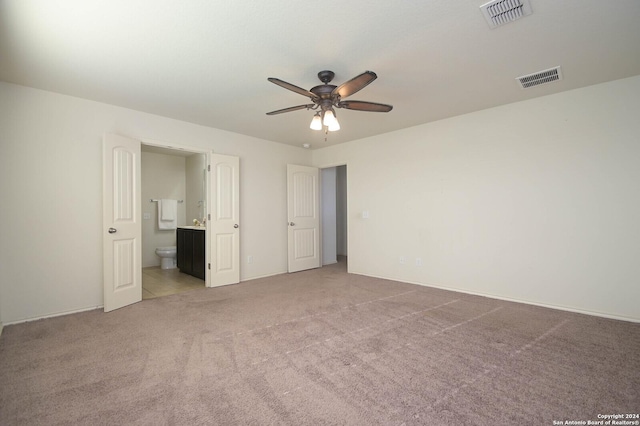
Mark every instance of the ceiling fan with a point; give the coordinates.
(328, 96)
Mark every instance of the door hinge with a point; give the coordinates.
(209, 265)
(209, 168)
(209, 216)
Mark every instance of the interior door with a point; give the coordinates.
(303, 207)
(122, 229)
(224, 219)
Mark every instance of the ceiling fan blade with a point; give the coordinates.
(294, 108)
(355, 84)
(292, 87)
(365, 106)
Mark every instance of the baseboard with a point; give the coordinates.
(58, 314)
(491, 296)
(508, 299)
(263, 276)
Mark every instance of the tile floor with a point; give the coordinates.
(158, 282)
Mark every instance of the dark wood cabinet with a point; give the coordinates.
(191, 251)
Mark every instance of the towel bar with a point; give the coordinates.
(154, 201)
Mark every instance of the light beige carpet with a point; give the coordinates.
(319, 347)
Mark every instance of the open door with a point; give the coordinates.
(224, 220)
(303, 207)
(122, 230)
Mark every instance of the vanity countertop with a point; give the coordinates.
(201, 228)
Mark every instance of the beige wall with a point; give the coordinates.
(537, 201)
(51, 195)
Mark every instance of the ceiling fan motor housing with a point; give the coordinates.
(323, 91)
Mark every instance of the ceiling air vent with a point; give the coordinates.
(500, 12)
(541, 77)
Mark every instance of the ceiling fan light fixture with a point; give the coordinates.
(316, 122)
(333, 126)
(329, 118)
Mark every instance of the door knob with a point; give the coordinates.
(292, 224)
(112, 230)
(235, 226)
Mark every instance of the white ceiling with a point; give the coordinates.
(207, 62)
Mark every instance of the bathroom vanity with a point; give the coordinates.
(191, 250)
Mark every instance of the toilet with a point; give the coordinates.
(168, 257)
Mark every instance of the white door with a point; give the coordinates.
(224, 220)
(122, 230)
(303, 208)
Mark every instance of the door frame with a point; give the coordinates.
(207, 153)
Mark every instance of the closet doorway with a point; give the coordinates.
(334, 215)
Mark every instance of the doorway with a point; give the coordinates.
(334, 215)
(169, 173)
(122, 200)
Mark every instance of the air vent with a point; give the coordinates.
(500, 12)
(541, 77)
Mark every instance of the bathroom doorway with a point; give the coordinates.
(176, 174)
